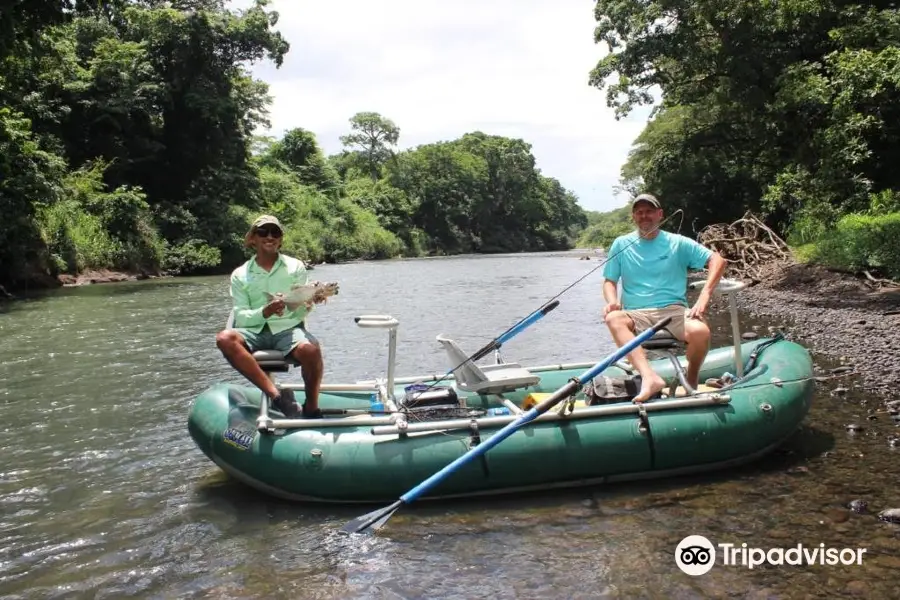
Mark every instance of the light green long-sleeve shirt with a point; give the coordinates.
(249, 285)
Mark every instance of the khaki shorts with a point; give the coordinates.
(645, 318)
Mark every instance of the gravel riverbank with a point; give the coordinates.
(837, 315)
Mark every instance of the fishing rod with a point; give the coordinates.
(545, 308)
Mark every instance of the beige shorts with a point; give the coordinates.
(645, 318)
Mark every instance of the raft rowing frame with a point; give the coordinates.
(396, 421)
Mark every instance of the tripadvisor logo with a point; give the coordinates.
(696, 555)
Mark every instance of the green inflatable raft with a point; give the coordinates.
(380, 438)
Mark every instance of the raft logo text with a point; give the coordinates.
(696, 555)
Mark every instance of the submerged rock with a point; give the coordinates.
(891, 515)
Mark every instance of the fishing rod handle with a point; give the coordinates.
(527, 321)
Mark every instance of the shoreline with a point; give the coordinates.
(837, 315)
(64, 280)
(100, 276)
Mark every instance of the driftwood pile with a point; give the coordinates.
(753, 251)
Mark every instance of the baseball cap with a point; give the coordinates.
(647, 198)
(266, 220)
(259, 222)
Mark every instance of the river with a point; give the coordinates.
(103, 493)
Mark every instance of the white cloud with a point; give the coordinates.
(440, 69)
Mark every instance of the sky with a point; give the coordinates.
(439, 69)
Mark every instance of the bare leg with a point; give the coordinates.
(622, 329)
(310, 358)
(697, 336)
(231, 344)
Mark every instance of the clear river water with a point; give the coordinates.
(104, 495)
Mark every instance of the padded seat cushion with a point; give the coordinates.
(272, 360)
(268, 356)
(661, 340)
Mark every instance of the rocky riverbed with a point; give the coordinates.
(855, 323)
(837, 315)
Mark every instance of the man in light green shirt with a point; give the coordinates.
(261, 323)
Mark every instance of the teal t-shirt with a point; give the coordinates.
(654, 272)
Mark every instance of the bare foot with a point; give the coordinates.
(649, 388)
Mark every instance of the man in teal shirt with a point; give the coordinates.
(653, 267)
(265, 323)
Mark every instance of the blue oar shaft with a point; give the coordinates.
(531, 414)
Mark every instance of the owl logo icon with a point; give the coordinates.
(695, 555)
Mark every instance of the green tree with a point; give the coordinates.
(374, 137)
(299, 151)
(783, 107)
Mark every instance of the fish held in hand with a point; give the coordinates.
(305, 295)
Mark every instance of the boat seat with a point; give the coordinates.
(662, 340)
(493, 379)
(270, 361)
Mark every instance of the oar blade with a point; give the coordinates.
(373, 520)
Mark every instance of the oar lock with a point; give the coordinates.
(644, 426)
(476, 433)
(567, 406)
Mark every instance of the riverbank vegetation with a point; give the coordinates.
(126, 143)
(788, 109)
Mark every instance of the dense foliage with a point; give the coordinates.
(788, 108)
(604, 227)
(126, 142)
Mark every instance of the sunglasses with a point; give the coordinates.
(264, 232)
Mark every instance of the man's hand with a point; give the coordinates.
(275, 307)
(609, 308)
(698, 311)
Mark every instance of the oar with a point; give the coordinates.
(376, 519)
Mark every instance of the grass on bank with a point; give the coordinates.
(858, 242)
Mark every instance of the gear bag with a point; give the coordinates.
(608, 390)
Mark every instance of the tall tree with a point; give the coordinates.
(374, 137)
(299, 151)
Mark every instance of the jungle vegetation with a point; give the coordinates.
(127, 143)
(127, 140)
(786, 108)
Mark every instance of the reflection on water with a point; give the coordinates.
(104, 495)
